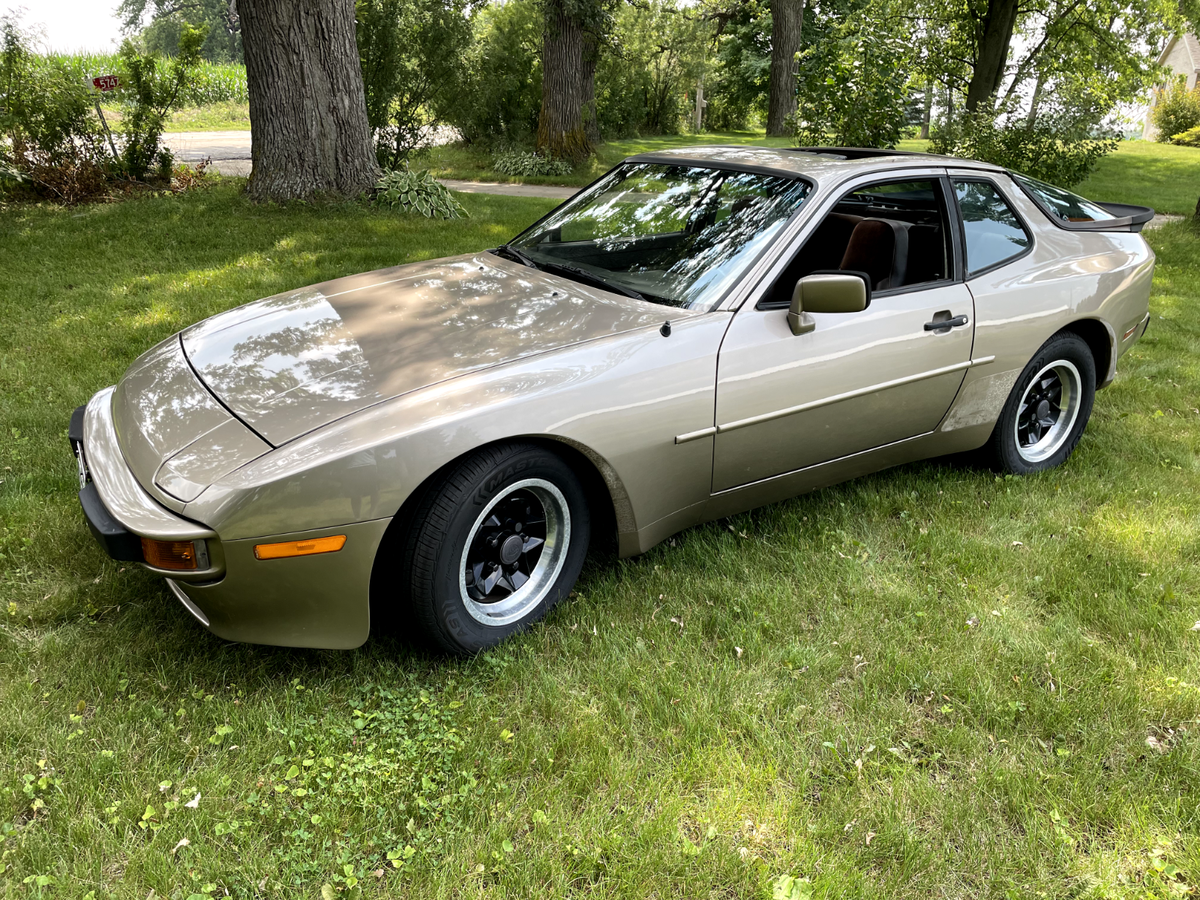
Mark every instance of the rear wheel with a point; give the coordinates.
(494, 546)
(1048, 408)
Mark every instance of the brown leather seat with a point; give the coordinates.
(878, 247)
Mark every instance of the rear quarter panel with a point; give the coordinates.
(1068, 276)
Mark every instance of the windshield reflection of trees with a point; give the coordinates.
(675, 233)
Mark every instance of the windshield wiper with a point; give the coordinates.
(584, 275)
(515, 255)
(511, 252)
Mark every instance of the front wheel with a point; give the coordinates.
(494, 546)
(1048, 408)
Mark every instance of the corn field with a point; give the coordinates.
(211, 83)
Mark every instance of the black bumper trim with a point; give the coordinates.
(116, 540)
(75, 431)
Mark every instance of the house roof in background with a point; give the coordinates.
(1191, 43)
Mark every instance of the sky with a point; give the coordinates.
(70, 25)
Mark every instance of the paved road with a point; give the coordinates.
(193, 146)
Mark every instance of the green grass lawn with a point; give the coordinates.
(931, 682)
(231, 116)
(1163, 176)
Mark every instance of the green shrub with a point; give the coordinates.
(410, 191)
(1189, 138)
(1048, 149)
(52, 142)
(1175, 111)
(55, 145)
(150, 89)
(523, 162)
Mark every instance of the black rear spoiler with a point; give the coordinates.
(1128, 218)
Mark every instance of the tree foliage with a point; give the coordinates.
(411, 53)
(1095, 53)
(169, 19)
(853, 83)
(736, 86)
(502, 76)
(649, 73)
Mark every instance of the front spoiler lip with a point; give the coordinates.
(108, 483)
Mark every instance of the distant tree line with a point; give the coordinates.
(1021, 79)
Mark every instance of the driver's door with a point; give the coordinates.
(858, 380)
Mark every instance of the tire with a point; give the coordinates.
(476, 574)
(1044, 416)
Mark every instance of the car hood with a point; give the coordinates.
(291, 363)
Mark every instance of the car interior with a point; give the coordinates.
(894, 233)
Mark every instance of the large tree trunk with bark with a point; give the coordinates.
(308, 113)
(787, 20)
(561, 131)
(994, 32)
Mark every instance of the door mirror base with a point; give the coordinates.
(799, 321)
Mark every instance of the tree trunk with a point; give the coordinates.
(560, 124)
(995, 31)
(787, 19)
(928, 114)
(308, 114)
(1036, 101)
(591, 55)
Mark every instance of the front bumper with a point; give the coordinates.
(118, 510)
(311, 601)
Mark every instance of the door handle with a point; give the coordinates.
(946, 324)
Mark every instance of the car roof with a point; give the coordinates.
(813, 162)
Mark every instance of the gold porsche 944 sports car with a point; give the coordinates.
(698, 332)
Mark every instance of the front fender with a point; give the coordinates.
(620, 400)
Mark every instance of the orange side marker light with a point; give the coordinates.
(285, 549)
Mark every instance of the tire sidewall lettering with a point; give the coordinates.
(496, 481)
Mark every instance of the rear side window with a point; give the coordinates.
(992, 230)
(1063, 205)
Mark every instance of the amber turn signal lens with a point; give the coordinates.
(300, 548)
(169, 554)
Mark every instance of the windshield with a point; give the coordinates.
(671, 234)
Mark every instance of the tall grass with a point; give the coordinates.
(212, 82)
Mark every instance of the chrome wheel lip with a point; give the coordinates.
(550, 563)
(1058, 433)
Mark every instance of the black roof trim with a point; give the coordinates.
(664, 160)
(856, 152)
